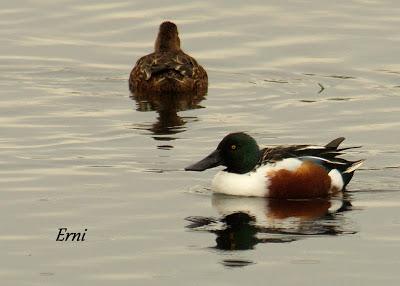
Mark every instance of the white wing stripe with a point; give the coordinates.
(323, 159)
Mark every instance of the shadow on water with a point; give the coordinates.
(167, 106)
(247, 221)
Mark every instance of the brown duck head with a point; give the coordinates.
(167, 39)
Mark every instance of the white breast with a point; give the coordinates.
(248, 184)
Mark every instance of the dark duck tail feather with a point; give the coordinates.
(334, 144)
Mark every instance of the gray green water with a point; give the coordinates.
(76, 151)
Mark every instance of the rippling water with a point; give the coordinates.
(77, 151)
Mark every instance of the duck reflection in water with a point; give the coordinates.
(247, 221)
(167, 106)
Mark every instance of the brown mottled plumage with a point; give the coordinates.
(168, 70)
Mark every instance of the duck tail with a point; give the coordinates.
(347, 174)
(334, 144)
(354, 166)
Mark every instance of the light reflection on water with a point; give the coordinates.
(77, 151)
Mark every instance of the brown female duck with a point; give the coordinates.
(168, 70)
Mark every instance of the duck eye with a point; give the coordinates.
(233, 147)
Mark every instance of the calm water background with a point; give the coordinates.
(76, 151)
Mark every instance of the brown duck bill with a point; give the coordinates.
(211, 161)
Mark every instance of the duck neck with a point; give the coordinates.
(167, 43)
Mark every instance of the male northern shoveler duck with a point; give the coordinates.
(291, 172)
(168, 70)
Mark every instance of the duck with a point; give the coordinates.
(283, 172)
(168, 70)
